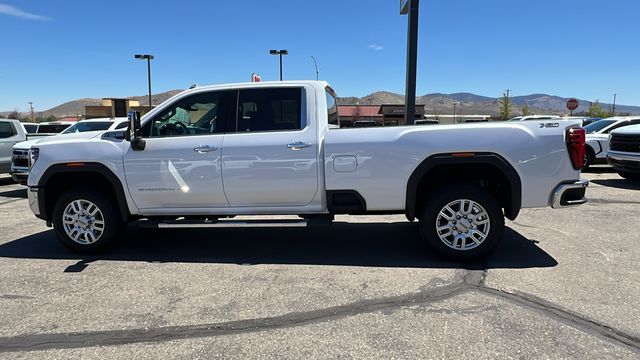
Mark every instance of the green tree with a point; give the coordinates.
(506, 107)
(596, 111)
(525, 110)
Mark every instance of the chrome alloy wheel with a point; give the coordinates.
(83, 222)
(463, 224)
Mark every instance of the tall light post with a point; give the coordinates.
(410, 8)
(613, 110)
(317, 68)
(148, 58)
(279, 52)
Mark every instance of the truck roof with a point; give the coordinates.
(285, 83)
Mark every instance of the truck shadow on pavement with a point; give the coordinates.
(17, 193)
(6, 181)
(618, 183)
(345, 244)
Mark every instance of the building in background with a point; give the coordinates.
(375, 115)
(114, 107)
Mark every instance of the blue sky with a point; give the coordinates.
(56, 51)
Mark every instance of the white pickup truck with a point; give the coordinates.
(273, 148)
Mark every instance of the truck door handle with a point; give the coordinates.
(298, 145)
(203, 149)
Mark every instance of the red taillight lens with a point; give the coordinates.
(575, 145)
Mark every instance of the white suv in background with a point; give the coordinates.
(624, 153)
(597, 137)
(20, 156)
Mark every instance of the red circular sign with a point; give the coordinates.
(572, 104)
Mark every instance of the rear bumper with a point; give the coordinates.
(569, 194)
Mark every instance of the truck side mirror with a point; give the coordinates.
(133, 131)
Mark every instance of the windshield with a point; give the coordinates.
(594, 127)
(88, 126)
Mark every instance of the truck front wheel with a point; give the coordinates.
(462, 222)
(86, 221)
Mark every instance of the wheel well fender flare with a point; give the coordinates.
(511, 210)
(87, 168)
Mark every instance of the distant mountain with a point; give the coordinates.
(436, 103)
(75, 107)
(467, 103)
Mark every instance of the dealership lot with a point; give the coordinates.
(563, 283)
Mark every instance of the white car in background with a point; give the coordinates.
(89, 128)
(597, 138)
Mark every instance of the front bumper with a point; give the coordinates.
(19, 175)
(37, 203)
(569, 194)
(624, 162)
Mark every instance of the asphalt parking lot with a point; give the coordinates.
(562, 284)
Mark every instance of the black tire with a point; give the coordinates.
(113, 226)
(629, 175)
(589, 158)
(430, 221)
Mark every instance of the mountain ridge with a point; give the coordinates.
(435, 103)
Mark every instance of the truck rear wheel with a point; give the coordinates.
(86, 221)
(462, 222)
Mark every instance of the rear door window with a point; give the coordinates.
(269, 109)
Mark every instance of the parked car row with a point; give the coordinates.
(597, 138)
(88, 128)
(12, 132)
(16, 138)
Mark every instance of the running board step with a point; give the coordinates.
(185, 224)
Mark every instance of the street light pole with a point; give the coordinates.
(148, 58)
(279, 52)
(613, 111)
(317, 68)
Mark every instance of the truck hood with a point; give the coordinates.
(61, 137)
(628, 130)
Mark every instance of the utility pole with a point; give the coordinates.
(31, 106)
(613, 111)
(454, 112)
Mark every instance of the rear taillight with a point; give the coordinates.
(575, 145)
